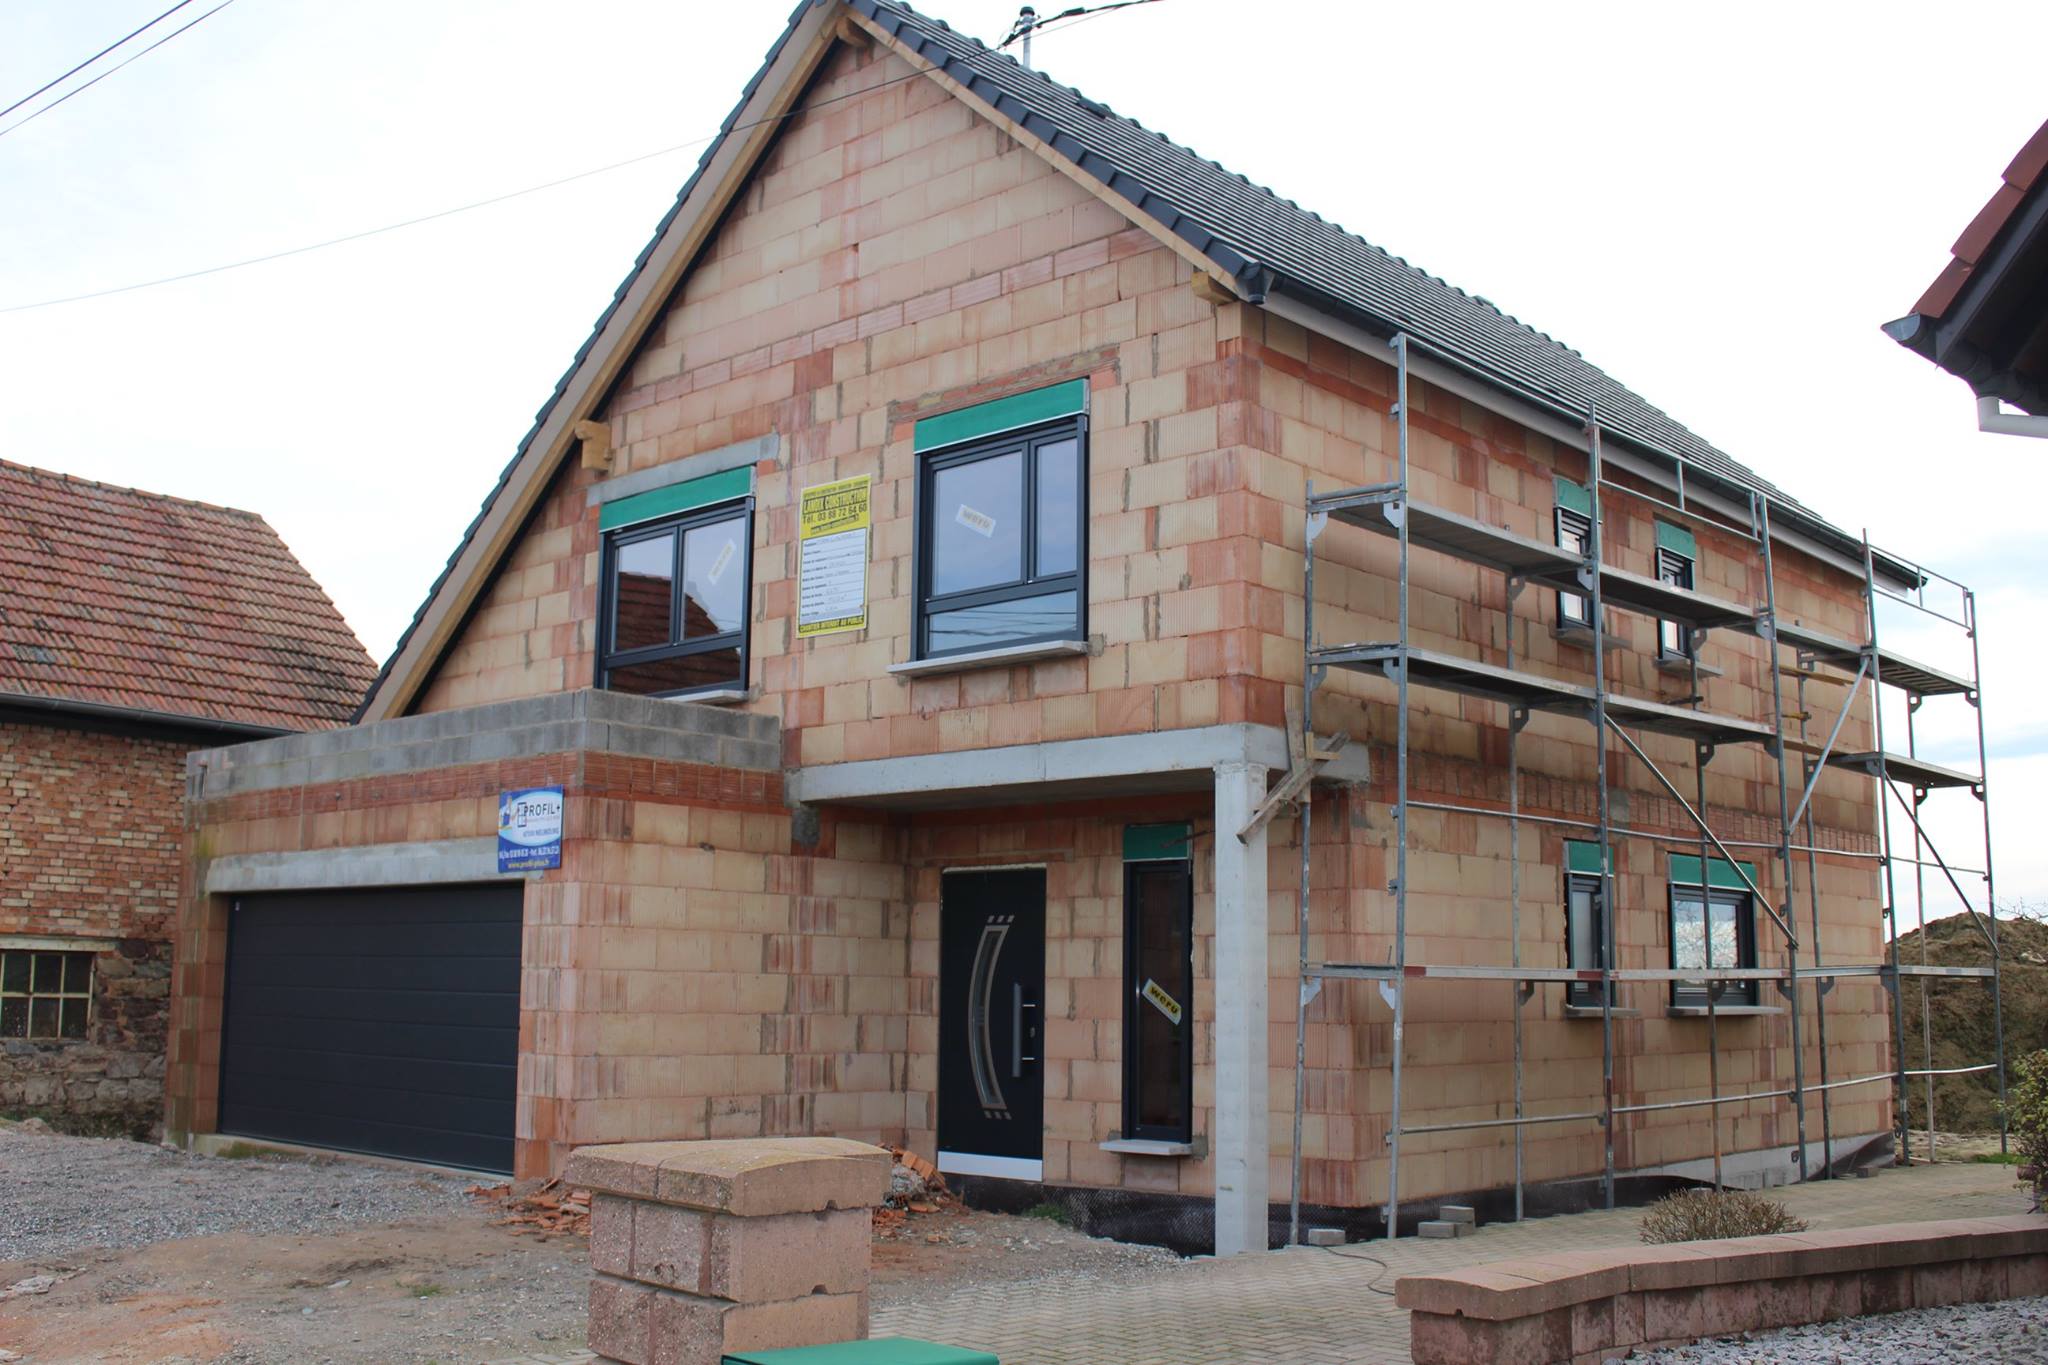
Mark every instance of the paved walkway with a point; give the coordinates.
(1311, 1307)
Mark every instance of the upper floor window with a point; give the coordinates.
(1574, 535)
(44, 994)
(1002, 541)
(1674, 640)
(674, 609)
(1717, 930)
(1585, 927)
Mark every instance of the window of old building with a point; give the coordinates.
(44, 994)
(1159, 984)
(674, 603)
(1002, 525)
(1717, 930)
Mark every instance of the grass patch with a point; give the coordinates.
(1051, 1213)
(1997, 1158)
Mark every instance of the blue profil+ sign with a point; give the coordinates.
(530, 829)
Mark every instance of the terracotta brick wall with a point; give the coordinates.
(89, 835)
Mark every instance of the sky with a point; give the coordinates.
(1719, 206)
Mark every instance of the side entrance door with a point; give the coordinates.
(991, 1026)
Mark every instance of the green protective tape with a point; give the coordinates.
(1574, 497)
(1152, 843)
(1004, 414)
(1685, 871)
(1582, 857)
(686, 496)
(1678, 540)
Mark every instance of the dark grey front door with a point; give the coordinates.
(991, 998)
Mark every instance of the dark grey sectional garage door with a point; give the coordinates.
(379, 1021)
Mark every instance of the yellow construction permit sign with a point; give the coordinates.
(832, 557)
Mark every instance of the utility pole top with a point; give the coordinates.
(1027, 20)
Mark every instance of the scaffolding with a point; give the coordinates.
(1388, 510)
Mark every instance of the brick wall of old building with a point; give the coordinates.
(89, 831)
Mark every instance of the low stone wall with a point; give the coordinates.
(702, 1248)
(1589, 1306)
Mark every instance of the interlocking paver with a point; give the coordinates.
(1335, 1307)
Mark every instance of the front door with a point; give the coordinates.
(991, 994)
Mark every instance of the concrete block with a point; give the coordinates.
(1458, 1213)
(1326, 1237)
(1438, 1228)
(748, 1177)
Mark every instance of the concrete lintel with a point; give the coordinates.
(417, 864)
(700, 465)
(1077, 768)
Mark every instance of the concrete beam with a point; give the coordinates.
(1242, 927)
(417, 864)
(1112, 765)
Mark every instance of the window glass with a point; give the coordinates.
(996, 623)
(14, 972)
(1059, 520)
(45, 994)
(706, 668)
(1159, 1011)
(714, 578)
(1709, 936)
(978, 525)
(642, 580)
(1585, 937)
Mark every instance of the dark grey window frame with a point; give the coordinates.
(1688, 995)
(608, 659)
(1580, 525)
(1183, 990)
(1585, 994)
(1031, 584)
(1677, 570)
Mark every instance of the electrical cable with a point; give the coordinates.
(90, 60)
(1372, 1284)
(79, 90)
(1076, 12)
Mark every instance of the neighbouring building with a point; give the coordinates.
(134, 629)
(1984, 319)
(852, 710)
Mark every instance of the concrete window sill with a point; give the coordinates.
(1593, 1012)
(991, 658)
(1720, 1011)
(1148, 1147)
(1581, 637)
(1681, 667)
(723, 696)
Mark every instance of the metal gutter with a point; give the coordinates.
(135, 715)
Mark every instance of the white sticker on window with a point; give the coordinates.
(981, 523)
(1155, 995)
(722, 563)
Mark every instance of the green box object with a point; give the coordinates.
(873, 1351)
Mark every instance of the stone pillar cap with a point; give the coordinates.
(748, 1177)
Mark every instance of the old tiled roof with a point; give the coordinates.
(152, 604)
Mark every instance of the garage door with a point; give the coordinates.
(376, 1021)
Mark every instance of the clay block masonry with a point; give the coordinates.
(902, 594)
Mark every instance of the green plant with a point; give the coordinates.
(1704, 1215)
(1997, 1158)
(1051, 1212)
(2026, 1117)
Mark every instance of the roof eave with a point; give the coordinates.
(30, 705)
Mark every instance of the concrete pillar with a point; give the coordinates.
(1242, 1115)
(699, 1249)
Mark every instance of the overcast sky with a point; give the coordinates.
(1719, 206)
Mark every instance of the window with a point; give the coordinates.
(1720, 933)
(1585, 926)
(1674, 641)
(1002, 541)
(1574, 534)
(1159, 980)
(675, 595)
(44, 994)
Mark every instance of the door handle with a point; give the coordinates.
(1018, 1004)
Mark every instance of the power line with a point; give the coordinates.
(117, 66)
(1079, 12)
(90, 60)
(448, 212)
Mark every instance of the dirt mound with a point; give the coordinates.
(1960, 1012)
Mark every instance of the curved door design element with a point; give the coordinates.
(991, 1101)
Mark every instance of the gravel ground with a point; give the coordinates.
(2012, 1332)
(47, 1182)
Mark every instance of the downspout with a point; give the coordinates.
(1992, 417)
